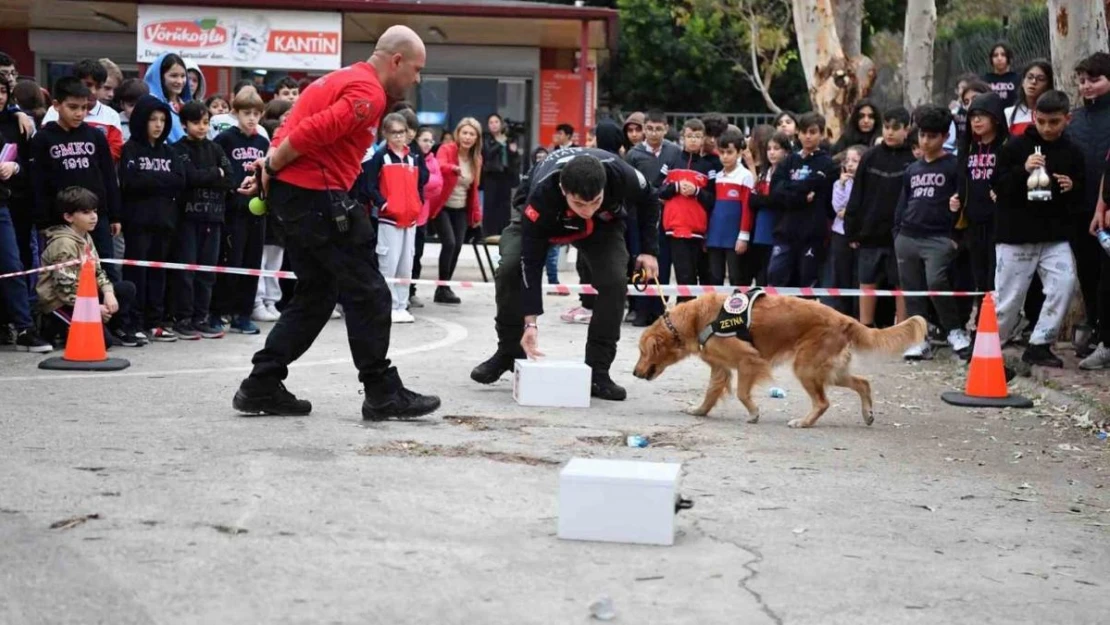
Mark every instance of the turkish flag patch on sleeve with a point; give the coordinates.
(362, 109)
(531, 213)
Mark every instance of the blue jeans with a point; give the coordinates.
(552, 264)
(14, 289)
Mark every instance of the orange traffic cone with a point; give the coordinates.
(85, 349)
(986, 377)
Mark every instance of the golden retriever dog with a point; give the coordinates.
(819, 339)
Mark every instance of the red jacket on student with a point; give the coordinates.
(448, 157)
(393, 185)
(687, 217)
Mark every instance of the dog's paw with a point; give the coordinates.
(796, 423)
(754, 418)
(695, 410)
(869, 417)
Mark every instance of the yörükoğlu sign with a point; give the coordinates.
(238, 38)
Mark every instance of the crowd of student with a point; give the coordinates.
(939, 199)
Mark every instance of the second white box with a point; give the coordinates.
(551, 383)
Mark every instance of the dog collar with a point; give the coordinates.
(670, 326)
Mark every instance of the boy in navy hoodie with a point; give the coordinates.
(1032, 236)
(151, 178)
(244, 234)
(803, 226)
(688, 196)
(207, 182)
(924, 229)
(70, 153)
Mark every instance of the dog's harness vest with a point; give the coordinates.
(735, 318)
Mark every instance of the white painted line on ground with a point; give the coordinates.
(456, 333)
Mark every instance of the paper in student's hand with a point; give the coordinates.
(9, 153)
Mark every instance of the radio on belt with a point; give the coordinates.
(620, 501)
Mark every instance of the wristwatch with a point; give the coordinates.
(270, 171)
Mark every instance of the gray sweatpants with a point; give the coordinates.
(923, 264)
(1014, 270)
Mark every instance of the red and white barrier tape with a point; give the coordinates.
(16, 274)
(682, 290)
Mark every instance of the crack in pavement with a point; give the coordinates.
(757, 557)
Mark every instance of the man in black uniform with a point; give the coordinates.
(579, 196)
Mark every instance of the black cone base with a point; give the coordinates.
(962, 399)
(59, 363)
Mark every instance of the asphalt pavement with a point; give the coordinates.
(142, 497)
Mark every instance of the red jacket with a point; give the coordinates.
(332, 125)
(686, 217)
(399, 185)
(448, 157)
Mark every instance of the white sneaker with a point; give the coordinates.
(958, 340)
(402, 316)
(1099, 359)
(271, 308)
(569, 315)
(921, 351)
(338, 312)
(260, 313)
(585, 315)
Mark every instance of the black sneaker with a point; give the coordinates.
(126, 339)
(29, 341)
(185, 331)
(491, 370)
(444, 295)
(402, 405)
(1041, 355)
(603, 387)
(208, 331)
(274, 401)
(7, 335)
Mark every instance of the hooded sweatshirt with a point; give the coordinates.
(241, 149)
(978, 161)
(206, 186)
(1019, 220)
(153, 80)
(609, 136)
(393, 185)
(102, 117)
(686, 217)
(151, 176)
(869, 216)
(58, 288)
(202, 86)
(1090, 130)
(927, 187)
(72, 158)
(15, 192)
(637, 119)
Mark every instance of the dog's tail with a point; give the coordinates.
(893, 340)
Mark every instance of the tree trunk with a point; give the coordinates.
(835, 81)
(849, 26)
(917, 49)
(1077, 29)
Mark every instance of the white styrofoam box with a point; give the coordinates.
(618, 501)
(553, 383)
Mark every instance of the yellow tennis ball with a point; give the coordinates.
(257, 206)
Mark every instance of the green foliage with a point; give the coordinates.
(694, 55)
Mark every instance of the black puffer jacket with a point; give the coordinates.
(1090, 131)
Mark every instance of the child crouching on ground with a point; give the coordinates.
(57, 289)
(393, 186)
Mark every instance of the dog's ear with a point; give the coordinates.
(654, 344)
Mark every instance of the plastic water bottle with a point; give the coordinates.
(1104, 240)
(637, 441)
(778, 393)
